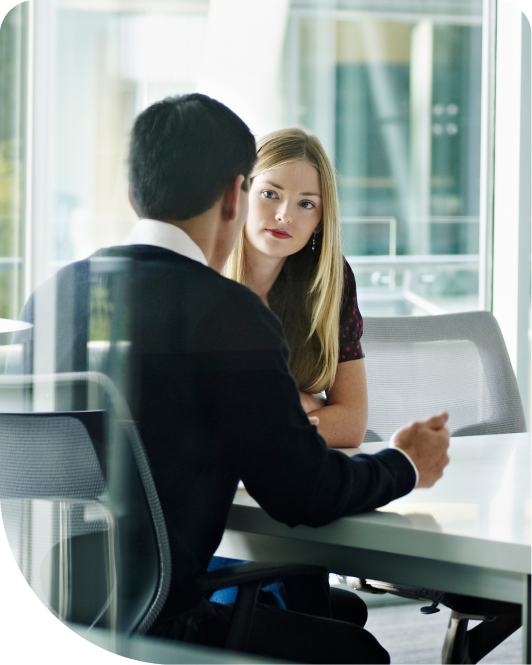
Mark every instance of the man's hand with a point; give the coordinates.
(426, 443)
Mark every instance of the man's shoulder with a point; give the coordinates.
(170, 282)
(162, 262)
(150, 264)
(241, 316)
(212, 296)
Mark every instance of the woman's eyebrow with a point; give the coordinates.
(273, 184)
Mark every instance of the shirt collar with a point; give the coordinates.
(167, 236)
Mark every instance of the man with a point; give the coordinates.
(208, 381)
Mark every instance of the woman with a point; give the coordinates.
(290, 255)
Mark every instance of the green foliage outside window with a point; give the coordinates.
(101, 309)
(12, 55)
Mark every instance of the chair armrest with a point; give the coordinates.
(254, 572)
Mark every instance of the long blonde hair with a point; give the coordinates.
(308, 292)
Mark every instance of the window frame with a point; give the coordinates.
(511, 227)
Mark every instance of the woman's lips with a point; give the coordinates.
(276, 233)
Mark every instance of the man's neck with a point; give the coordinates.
(203, 230)
(215, 231)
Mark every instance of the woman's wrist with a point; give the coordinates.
(312, 403)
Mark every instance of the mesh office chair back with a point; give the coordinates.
(55, 514)
(79, 505)
(418, 366)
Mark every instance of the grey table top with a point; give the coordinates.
(478, 514)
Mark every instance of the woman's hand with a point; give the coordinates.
(311, 402)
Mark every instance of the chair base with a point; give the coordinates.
(456, 644)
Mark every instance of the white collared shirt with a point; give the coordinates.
(167, 236)
(411, 462)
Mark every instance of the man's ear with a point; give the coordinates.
(231, 200)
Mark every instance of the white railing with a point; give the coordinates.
(392, 221)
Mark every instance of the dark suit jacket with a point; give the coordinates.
(211, 394)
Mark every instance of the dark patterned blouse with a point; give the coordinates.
(351, 325)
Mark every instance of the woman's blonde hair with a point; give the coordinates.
(307, 294)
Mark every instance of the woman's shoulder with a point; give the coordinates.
(351, 324)
(349, 286)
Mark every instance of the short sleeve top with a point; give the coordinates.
(351, 325)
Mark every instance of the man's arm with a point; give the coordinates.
(283, 461)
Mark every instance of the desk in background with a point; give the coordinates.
(468, 534)
(8, 327)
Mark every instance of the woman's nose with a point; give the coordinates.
(283, 214)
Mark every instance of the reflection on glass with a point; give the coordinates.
(12, 79)
(392, 91)
(110, 66)
(406, 122)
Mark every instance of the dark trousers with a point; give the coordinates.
(286, 634)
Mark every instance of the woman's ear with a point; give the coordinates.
(319, 227)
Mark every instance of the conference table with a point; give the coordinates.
(468, 534)
(8, 327)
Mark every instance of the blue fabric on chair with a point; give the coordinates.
(271, 594)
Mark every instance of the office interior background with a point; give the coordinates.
(398, 92)
(429, 139)
(424, 107)
(393, 90)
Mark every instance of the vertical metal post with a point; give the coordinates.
(293, 56)
(421, 65)
(512, 202)
(40, 193)
(325, 87)
(1, 590)
(487, 155)
(527, 622)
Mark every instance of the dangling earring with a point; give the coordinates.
(313, 242)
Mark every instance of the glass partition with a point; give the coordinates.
(13, 63)
(392, 89)
(109, 66)
(396, 92)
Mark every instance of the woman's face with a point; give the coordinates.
(285, 207)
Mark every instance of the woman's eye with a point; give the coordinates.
(308, 205)
(268, 194)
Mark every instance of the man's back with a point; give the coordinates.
(207, 378)
(208, 386)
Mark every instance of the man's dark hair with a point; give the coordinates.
(185, 152)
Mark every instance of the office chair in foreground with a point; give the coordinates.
(417, 366)
(82, 514)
